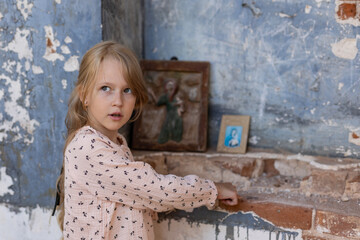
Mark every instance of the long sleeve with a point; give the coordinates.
(108, 172)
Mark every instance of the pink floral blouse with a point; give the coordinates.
(110, 196)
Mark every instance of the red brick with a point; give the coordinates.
(346, 11)
(281, 215)
(352, 188)
(338, 225)
(314, 238)
(269, 168)
(328, 182)
(246, 167)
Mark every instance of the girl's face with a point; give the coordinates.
(111, 102)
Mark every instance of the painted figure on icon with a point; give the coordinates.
(172, 128)
(233, 136)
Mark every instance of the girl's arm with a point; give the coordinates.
(109, 174)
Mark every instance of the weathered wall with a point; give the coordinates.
(281, 197)
(291, 65)
(123, 22)
(41, 45)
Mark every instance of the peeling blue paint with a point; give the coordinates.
(33, 159)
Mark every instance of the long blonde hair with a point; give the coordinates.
(77, 116)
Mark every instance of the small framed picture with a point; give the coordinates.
(233, 134)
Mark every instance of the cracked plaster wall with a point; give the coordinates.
(293, 66)
(290, 65)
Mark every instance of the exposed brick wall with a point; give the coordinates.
(348, 10)
(317, 196)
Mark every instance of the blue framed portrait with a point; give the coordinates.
(233, 134)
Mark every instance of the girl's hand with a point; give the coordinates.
(227, 194)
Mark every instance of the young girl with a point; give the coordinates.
(104, 193)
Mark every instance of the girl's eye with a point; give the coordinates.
(127, 90)
(105, 88)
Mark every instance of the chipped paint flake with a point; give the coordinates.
(283, 15)
(8, 65)
(72, 64)
(51, 45)
(37, 69)
(319, 2)
(308, 9)
(1, 16)
(5, 183)
(345, 48)
(68, 40)
(64, 83)
(342, 150)
(65, 49)
(20, 44)
(58, 1)
(340, 86)
(24, 7)
(27, 66)
(254, 140)
(354, 138)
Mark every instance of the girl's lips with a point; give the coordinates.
(116, 116)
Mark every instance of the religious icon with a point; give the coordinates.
(233, 134)
(175, 118)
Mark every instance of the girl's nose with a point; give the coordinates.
(117, 101)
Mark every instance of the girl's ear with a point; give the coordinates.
(82, 98)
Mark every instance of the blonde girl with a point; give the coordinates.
(103, 192)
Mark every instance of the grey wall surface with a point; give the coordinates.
(291, 65)
(123, 22)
